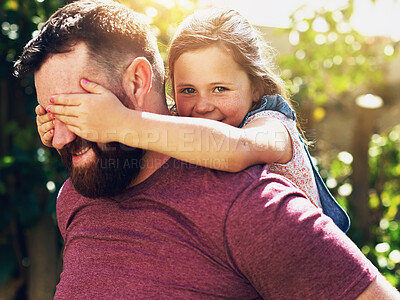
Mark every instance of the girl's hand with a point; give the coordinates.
(45, 125)
(95, 116)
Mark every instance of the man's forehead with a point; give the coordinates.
(60, 74)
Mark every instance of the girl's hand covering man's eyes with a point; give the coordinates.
(95, 116)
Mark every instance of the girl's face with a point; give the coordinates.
(209, 84)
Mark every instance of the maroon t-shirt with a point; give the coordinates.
(188, 232)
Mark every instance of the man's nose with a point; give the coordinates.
(62, 135)
(203, 105)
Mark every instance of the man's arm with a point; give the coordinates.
(288, 249)
(380, 288)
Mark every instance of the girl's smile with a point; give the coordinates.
(210, 84)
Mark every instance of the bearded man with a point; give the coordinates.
(141, 225)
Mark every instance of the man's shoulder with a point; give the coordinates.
(67, 192)
(256, 182)
(255, 171)
(271, 185)
(267, 192)
(262, 177)
(64, 205)
(191, 174)
(66, 188)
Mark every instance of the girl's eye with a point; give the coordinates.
(220, 89)
(188, 91)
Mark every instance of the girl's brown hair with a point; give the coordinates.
(230, 29)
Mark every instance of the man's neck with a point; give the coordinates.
(151, 162)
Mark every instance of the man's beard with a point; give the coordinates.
(112, 171)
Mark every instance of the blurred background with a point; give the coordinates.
(340, 60)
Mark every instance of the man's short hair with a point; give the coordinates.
(113, 33)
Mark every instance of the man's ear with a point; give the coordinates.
(137, 80)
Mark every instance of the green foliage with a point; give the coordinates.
(331, 60)
(28, 185)
(384, 200)
(24, 196)
(164, 16)
(384, 164)
(331, 64)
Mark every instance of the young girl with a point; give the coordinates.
(220, 77)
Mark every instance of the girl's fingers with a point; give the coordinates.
(66, 99)
(41, 119)
(39, 110)
(92, 87)
(68, 120)
(47, 138)
(63, 110)
(46, 127)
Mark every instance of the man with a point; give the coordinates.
(142, 225)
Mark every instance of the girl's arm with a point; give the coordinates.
(101, 117)
(209, 143)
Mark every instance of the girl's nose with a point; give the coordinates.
(203, 105)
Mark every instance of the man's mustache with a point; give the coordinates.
(76, 146)
(73, 148)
